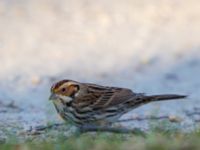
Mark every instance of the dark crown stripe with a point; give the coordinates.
(58, 84)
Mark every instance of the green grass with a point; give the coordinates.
(153, 140)
(99, 141)
(162, 136)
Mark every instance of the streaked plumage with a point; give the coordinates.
(91, 104)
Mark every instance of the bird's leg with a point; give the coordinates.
(40, 129)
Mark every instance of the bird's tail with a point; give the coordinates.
(163, 97)
(141, 99)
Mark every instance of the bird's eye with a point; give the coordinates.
(63, 89)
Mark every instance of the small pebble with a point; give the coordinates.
(35, 80)
(174, 119)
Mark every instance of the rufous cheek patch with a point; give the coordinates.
(71, 91)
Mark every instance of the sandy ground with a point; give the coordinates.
(151, 47)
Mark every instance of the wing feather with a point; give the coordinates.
(101, 97)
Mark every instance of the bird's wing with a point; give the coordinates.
(100, 97)
(119, 97)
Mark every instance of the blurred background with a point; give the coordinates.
(148, 46)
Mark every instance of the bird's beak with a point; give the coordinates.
(52, 97)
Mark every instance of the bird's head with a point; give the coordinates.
(64, 89)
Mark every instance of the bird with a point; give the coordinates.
(98, 105)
